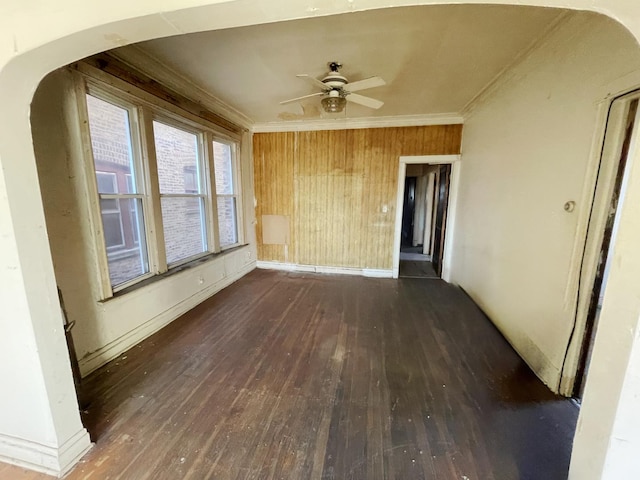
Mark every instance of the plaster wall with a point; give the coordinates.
(104, 329)
(527, 151)
(530, 146)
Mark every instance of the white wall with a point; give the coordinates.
(529, 147)
(104, 329)
(526, 151)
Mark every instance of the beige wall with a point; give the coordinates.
(334, 186)
(528, 148)
(104, 329)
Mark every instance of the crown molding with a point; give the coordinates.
(140, 59)
(506, 74)
(355, 123)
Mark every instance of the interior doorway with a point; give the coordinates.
(620, 138)
(424, 216)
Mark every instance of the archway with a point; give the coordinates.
(28, 283)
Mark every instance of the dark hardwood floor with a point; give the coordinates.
(416, 269)
(299, 376)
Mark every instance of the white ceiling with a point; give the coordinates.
(435, 59)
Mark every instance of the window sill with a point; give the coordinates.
(177, 269)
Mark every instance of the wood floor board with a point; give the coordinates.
(301, 376)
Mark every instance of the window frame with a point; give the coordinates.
(144, 109)
(235, 172)
(108, 95)
(118, 210)
(205, 189)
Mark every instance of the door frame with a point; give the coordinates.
(605, 167)
(456, 164)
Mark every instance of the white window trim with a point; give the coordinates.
(205, 194)
(112, 176)
(143, 110)
(237, 194)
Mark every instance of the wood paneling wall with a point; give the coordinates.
(333, 185)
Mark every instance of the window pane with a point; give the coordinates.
(223, 168)
(123, 226)
(113, 231)
(227, 221)
(111, 145)
(183, 220)
(177, 158)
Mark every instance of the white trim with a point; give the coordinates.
(293, 267)
(505, 75)
(454, 185)
(430, 159)
(121, 344)
(355, 123)
(56, 461)
(454, 161)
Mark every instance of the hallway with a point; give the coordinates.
(302, 376)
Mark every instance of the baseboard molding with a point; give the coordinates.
(44, 458)
(293, 267)
(120, 345)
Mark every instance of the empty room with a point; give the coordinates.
(311, 240)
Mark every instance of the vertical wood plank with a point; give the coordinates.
(333, 185)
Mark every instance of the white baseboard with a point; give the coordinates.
(292, 267)
(120, 345)
(56, 461)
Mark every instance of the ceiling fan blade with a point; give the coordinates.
(314, 81)
(301, 98)
(366, 101)
(363, 84)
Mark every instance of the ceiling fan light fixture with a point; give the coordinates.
(333, 104)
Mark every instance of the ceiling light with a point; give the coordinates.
(333, 104)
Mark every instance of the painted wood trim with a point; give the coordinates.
(397, 231)
(155, 232)
(293, 267)
(90, 187)
(450, 221)
(359, 123)
(211, 179)
(449, 236)
(429, 159)
(56, 461)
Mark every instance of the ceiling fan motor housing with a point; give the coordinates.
(335, 80)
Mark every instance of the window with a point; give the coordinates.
(181, 197)
(110, 209)
(120, 198)
(187, 180)
(227, 198)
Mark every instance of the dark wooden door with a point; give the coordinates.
(441, 217)
(408, 209)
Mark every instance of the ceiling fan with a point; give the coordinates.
(337, 91)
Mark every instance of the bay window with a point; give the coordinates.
(167, 187)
